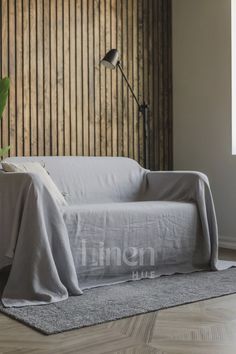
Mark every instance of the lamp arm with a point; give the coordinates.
(143, 108)
(129, 86)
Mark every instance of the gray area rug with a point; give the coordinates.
(123, 300)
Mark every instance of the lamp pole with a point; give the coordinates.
(111, 61)
(143, 109)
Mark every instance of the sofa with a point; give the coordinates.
(120, 222)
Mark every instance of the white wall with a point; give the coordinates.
(202, 100)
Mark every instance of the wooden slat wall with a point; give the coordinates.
(62, 101)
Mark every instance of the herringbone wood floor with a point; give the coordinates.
(207, 327)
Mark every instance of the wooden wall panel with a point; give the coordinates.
(62, 101)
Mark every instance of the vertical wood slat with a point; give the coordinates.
(85, 92)
(91, 78)
(119, 80)
(151, 64)
(154, 132)
(66, 67)
(166, 86)
(169, 163)
(33, 80)
(46, 77)
(135, 79)
(114, 115)
(146, 62)
(53, 76)
(19, 77)
(160, 131)
(140, 76)
(79, 78)
(60, 78)
(12, 74)
(130, 58)
(62, 101)
(5, 69)
(102, 30)
(108, 100)
(73, 79)
(97, 92)
(124, 63)
(40, 79)
(26, 79)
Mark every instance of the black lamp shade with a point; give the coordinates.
(111, 59)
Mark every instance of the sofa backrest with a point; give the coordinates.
(93, 179)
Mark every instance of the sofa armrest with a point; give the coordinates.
(187, 187)
(174, 185)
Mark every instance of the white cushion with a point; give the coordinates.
(37, 168)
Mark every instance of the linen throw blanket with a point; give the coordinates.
(42, 266)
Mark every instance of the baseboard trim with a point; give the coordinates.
(227, 242)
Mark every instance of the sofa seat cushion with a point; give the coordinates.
(111, 240)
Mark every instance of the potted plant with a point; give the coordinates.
(4, 90)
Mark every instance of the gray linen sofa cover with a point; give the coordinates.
(113, 205)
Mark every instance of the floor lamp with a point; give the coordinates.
(111, 61)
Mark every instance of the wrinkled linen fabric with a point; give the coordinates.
(189, 186)
(113, 202)
(116, 242)
(35, 167)
(35, 242)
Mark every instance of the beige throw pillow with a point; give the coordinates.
(37, 168)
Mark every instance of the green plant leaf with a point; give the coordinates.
(4, 89)
(4, 151)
